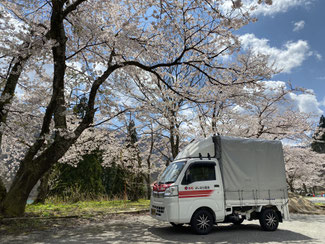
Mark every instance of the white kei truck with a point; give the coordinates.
(223, 180)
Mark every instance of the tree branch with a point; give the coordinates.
(72, 7)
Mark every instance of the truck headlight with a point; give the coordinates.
(171, 191)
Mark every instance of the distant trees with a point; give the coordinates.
(305, 164)
(304, 168)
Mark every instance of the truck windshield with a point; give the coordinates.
(171, 173)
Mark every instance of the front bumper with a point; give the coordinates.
(165, 209)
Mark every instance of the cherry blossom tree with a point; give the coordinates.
(121, 37)
(20, 40)
(264, 111)
(160, 105)
(304, 168)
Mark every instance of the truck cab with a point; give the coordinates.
(186, 187)
(191, 191)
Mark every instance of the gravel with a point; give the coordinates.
(144, 229)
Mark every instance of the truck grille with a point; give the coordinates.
(159, 210)
(158, 194)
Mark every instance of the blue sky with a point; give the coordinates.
(292, 33)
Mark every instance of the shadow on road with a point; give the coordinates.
(230, 234)
(143, 229)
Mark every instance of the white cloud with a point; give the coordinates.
(278, 6)
(307, 103)
(291, 55)
(299, 25)
(273, 87)
(271, 84)
(323, 102)
(318, 56)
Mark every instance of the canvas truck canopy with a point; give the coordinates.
(251, 168)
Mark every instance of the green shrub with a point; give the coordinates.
(83, 181)
(90, 181)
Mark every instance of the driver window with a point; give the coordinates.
(198, 172)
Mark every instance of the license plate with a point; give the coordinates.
(153, 211)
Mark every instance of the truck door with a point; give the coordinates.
(201, 186)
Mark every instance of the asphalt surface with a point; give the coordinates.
(143, 229)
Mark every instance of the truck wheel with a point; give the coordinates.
(202, 222)
(176, 225)
(269, 220)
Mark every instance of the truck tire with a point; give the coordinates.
(269, 220)
(202, 222)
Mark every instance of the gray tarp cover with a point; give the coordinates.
(252, 168)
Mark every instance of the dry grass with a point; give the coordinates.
(84, 208)
(299, 204)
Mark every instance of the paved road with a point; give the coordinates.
(143, 229)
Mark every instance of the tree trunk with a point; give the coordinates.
(290, 184)
(28, 174)
(214, 120)
(148, 178)
(15, 200)
(174, 141)
(6, 100)
(43, 188)
(292, 189)
(3, 190)
(32, 168)
(305, 188)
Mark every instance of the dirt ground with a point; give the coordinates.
(144, 229)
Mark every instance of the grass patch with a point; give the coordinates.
(84, 208)
(320, 204)
(56, 214)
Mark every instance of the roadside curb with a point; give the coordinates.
(142, 211)
(132, 212)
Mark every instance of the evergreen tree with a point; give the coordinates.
(85, 180)
(318, 144)
(135, 177)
